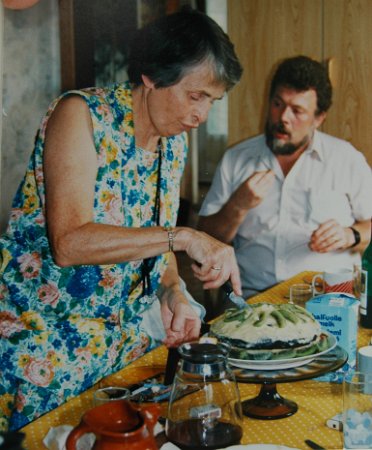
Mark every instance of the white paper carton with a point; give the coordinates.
(338, 314)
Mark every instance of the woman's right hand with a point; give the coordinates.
(215, 261)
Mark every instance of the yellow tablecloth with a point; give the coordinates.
(317, 401)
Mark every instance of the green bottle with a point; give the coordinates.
(366, 287)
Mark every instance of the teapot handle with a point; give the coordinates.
(150, 414)
(75, 434)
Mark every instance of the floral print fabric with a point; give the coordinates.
(63, 329)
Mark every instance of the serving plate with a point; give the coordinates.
(170, 446)
(278, 364)
(260, 447)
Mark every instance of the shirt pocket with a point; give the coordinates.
(326, 205)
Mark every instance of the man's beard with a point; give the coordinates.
(276, 146)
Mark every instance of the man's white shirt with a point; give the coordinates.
(330, 180)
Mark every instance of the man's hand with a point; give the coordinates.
(224, 224)
(253, 190)
(331, 236)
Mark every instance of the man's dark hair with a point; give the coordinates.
(302, 73)
(166, 50)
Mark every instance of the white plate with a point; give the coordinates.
(170, 446)
(279, 364)
(260, 447)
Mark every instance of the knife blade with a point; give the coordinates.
(313, 445)
(236, 299)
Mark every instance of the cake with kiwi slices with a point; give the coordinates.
(270, 331)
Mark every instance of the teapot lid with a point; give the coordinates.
(203, 352)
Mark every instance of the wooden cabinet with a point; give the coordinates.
(337, 32)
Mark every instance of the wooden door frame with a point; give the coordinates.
(76, 44)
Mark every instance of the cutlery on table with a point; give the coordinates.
(313, 445)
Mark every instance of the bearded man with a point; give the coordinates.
(294, 198)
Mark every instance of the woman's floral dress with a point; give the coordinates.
(63, 329)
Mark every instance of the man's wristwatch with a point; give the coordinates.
(356, 236)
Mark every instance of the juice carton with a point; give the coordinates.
(338, 314)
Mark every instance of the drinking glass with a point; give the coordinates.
(299, 294)
(110, 393)
(357, 413)
(357, 280)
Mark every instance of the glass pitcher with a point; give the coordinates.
(204, 407)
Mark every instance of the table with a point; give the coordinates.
(317, 401)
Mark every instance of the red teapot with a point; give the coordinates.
(118, 425)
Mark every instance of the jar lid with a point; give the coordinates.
(203, 353)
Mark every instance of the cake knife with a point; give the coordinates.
(236, 299)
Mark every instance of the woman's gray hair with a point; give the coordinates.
(168, 48)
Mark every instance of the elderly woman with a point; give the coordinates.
(91, 239)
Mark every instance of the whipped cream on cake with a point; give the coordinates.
(267, 326)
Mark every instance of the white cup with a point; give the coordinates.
(365, 359)
(338, 281)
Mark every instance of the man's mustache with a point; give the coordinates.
(279, 128)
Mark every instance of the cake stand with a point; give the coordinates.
(269, 404)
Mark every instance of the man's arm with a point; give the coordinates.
(224, 224)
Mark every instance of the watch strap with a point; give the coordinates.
(356, 236)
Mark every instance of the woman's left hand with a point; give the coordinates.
(181, 322)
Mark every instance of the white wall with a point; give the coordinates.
(31, 80)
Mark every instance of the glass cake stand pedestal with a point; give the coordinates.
(269, 404)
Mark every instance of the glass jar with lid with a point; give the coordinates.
(204, 408)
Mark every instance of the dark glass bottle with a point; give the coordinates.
(366, 287)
